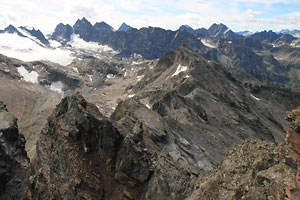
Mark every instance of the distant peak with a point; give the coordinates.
(124, 27)
(84, 19)
(103, 26)
(187, 26)
(10, 27)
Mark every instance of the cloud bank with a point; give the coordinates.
(253, 15)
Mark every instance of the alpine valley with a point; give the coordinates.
(90, 112)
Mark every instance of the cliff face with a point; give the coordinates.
(14, 163)
(76, 154)
(82, 154)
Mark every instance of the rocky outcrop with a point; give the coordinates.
(250, 170)
(14, 163)
(149, 132)
(292, 138)
(257, 170)
(82, 154)
(76, 153)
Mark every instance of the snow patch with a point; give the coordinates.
(254, 97)
(57, 86)
(54, 43)
(278, 58)
(75, 69)
(110, 76)
(139, 78)
(294, 45)
(179, 69)
(176, 35)
(208, 44)
(90, 77)
(79, 43)
(226, 31)
(28, 76)
(136, 63)
(131, 95)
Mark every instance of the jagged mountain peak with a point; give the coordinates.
(35, 33)
(85, 30)
(216, 28)
(222, 31)
(62, 33)
(185, 26)
(13, 30)
(124, 27)
(82, 24)
(83, 20)
(103, 26)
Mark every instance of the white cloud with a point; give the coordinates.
(251, 13)
(268, 1)
(169, 14)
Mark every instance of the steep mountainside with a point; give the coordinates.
(62, 33)
(256, 170)
(188, 93)
(36, 33)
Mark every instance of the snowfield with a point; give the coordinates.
(28, 50)
(57, 86)
(77, 42)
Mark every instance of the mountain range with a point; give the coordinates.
(265, 55)
(148, 113)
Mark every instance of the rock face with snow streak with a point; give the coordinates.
(222, 31)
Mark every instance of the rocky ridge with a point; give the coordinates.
(83, 154)
(257, 170)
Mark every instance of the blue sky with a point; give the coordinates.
(253, 15)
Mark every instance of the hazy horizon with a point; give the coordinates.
(238, 15)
